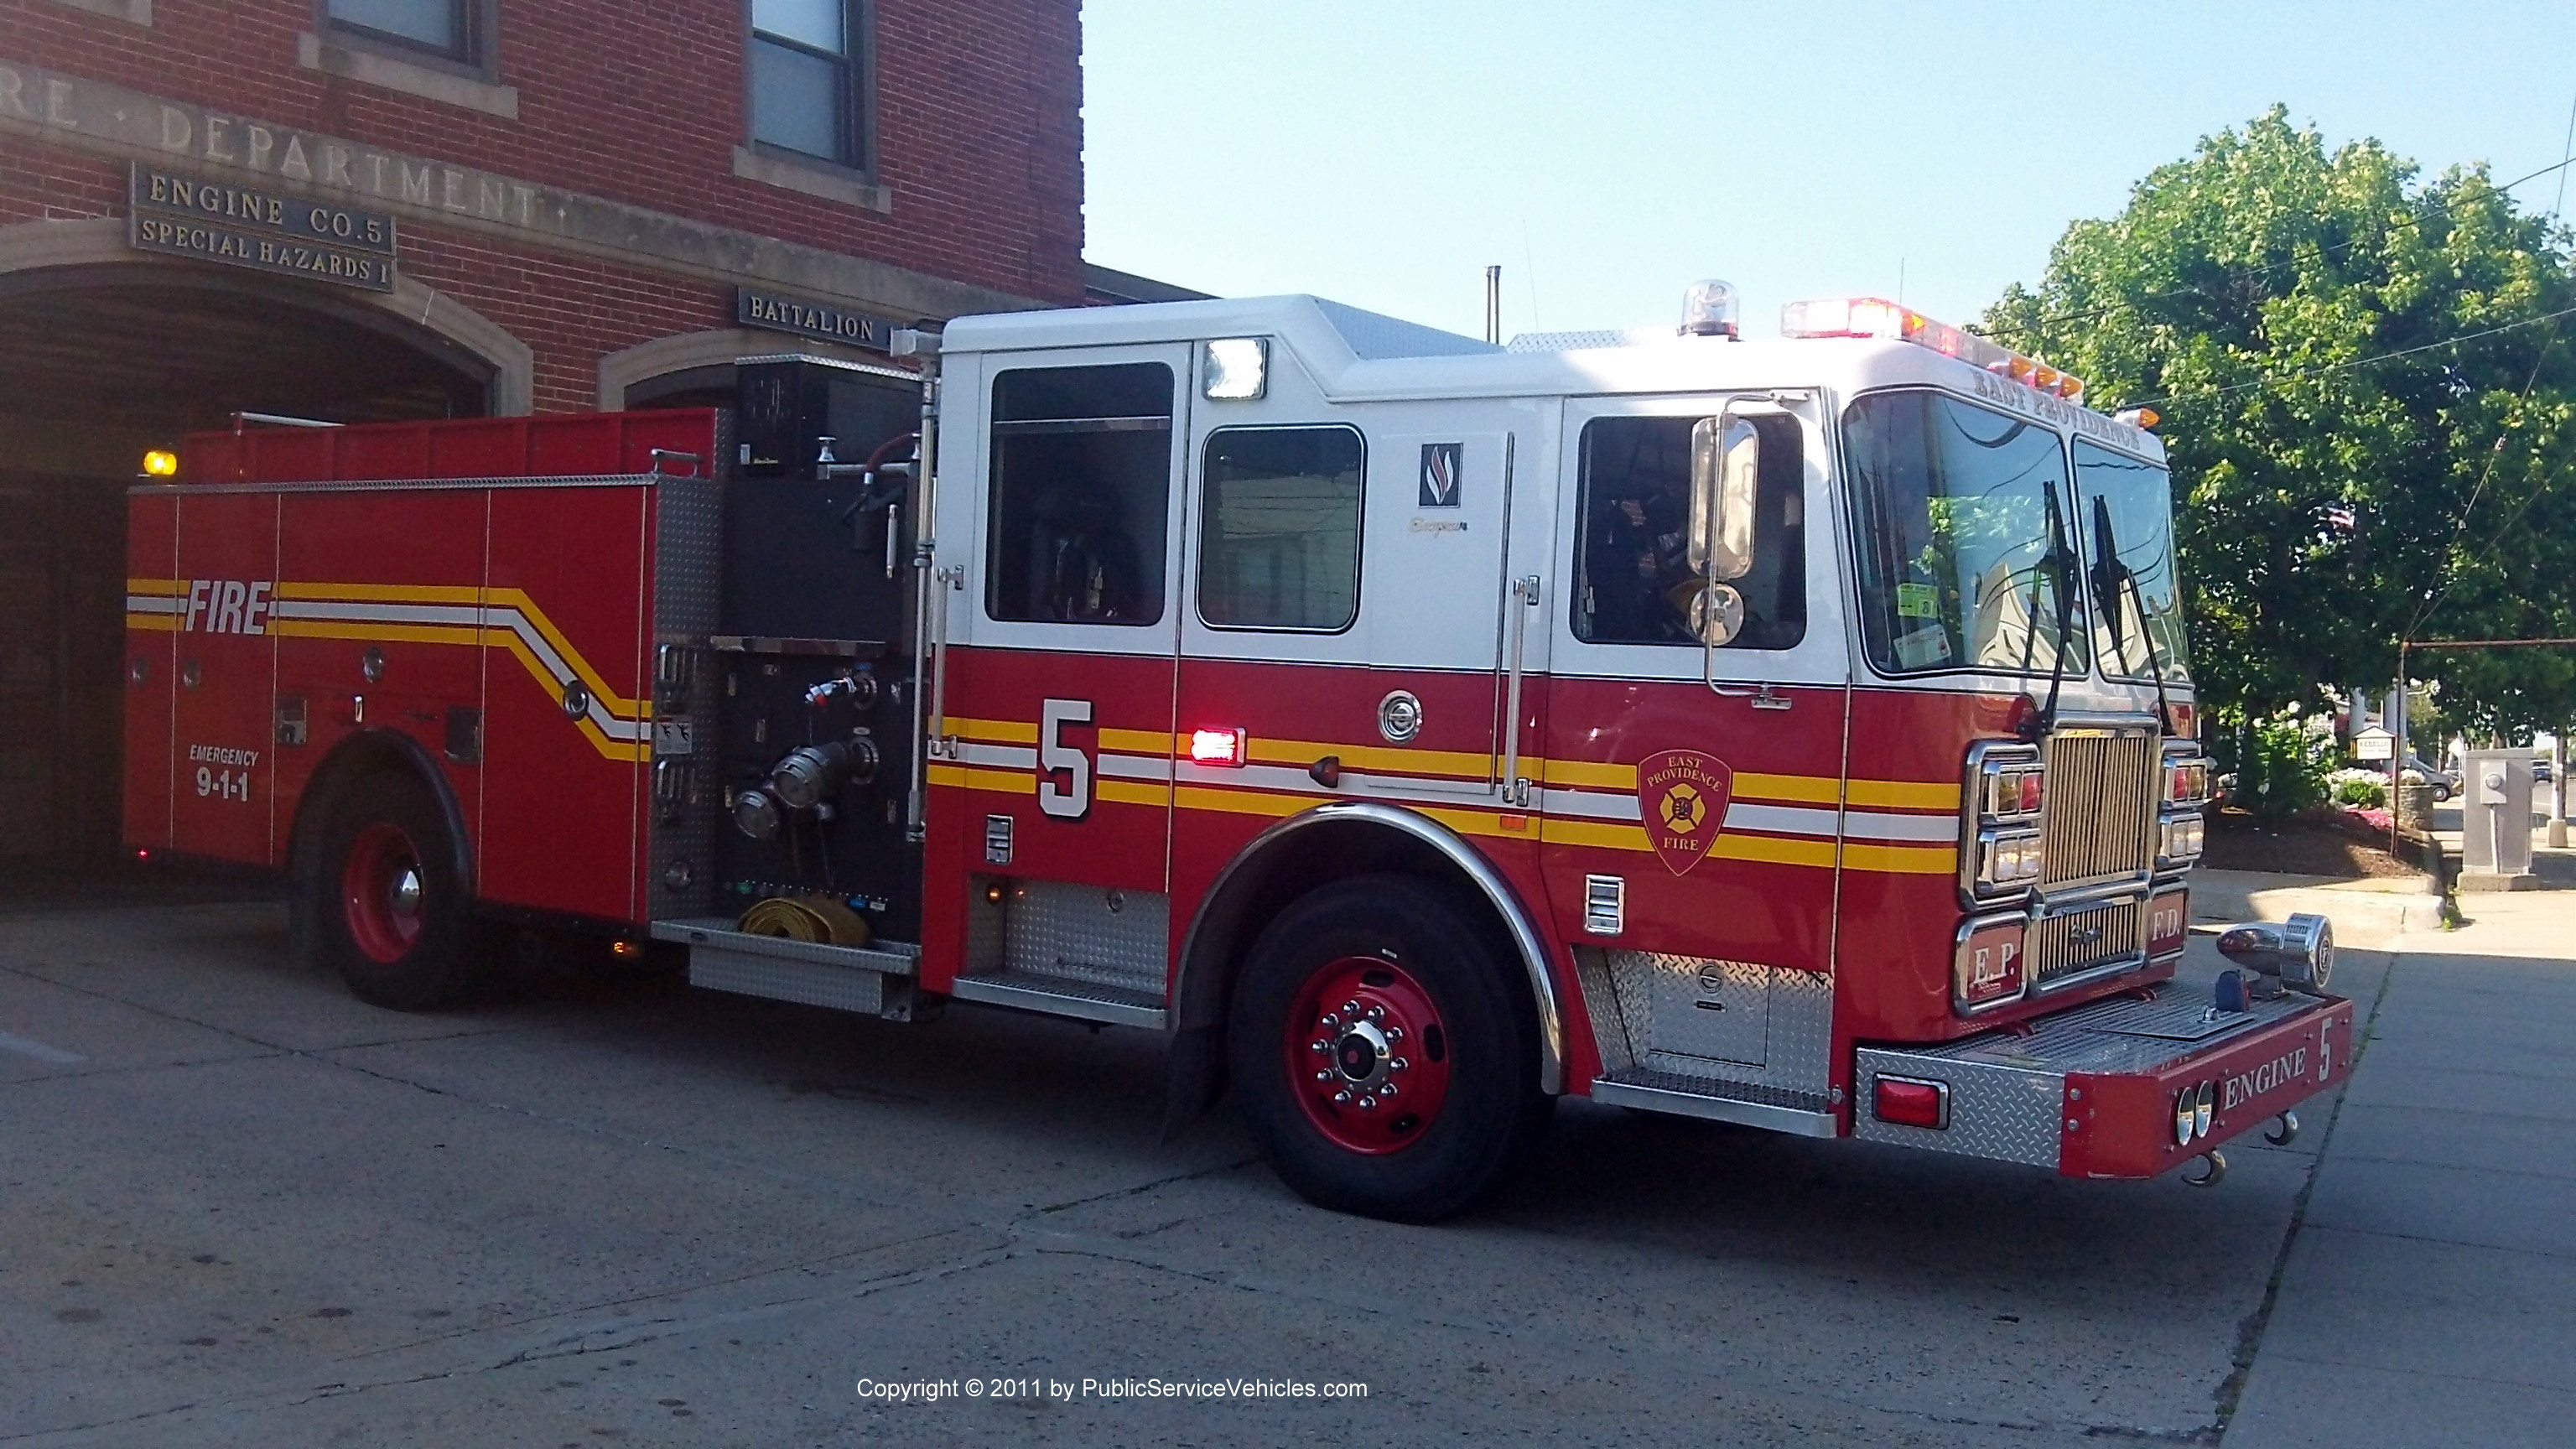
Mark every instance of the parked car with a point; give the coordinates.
(2445, 783)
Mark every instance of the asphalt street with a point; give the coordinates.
(238, 1207)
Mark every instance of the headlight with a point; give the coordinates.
(2009, 861)
(2183, 838)
(2005, 795)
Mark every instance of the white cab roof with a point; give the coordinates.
(1360, 356)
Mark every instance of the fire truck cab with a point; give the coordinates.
(1794, 733)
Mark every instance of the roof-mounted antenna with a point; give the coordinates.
(1494, 305)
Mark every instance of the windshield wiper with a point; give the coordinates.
(2062, 576)
(2110, 570)
(2155, 665)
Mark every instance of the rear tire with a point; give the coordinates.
(387, 908)
(1418, 1102)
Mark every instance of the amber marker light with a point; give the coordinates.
(161, 463)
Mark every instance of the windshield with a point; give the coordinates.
(1964, 539)
(2137, 595)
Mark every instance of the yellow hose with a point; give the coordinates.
(819, 919)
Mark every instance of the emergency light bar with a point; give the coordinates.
(1877, 317)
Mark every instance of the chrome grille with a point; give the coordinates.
(2102, 792)
(2061, 946)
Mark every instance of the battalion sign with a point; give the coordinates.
(187, 216)
(819, 320)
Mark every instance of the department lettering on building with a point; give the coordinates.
(216, 221)
(101, 116)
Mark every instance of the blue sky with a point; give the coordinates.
(1607, 153)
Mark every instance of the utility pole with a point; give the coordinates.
(2558, 788)
(2397, 746)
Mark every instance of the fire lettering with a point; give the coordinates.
(227, 606)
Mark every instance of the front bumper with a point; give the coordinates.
(2091, 1092)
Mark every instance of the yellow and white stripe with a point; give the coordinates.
(1780, 819)
(461, 615)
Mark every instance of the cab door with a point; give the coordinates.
(1057, 607)
(1695, 796)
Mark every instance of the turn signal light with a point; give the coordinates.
(2010, 782)
(1909, 1102)
(2186, 780)
(1216, 747)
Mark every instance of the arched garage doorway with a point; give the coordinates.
(102, 356)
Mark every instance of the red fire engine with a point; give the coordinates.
(1793, 733)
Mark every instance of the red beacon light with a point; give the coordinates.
(1216, 747)
(1878, 317)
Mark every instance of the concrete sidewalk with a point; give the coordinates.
(2365, 912)
(2428, 1294)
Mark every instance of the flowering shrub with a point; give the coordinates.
(2359, 787)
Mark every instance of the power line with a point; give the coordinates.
(2536, 175)
(2469, 509)
(2246, 273)
(2364, 361)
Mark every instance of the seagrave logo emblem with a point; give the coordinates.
(1439, 475)
(1682, 795)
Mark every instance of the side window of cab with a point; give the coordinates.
(1635, 583)
(1081, 494)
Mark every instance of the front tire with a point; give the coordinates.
(388, 908)
(1385, 1053)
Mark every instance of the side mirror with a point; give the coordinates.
(1726, 464)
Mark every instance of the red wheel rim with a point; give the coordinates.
(381, 892)
(1367, 1055)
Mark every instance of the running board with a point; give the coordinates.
(1057, 996)
(810, 973)
(1685, 1097)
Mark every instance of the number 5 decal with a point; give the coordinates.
(1071, 801)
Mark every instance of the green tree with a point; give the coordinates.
(2305, 324)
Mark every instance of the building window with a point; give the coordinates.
(1279, 542)
(440, 27)
(806, 78)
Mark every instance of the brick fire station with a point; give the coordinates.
(359, 210)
